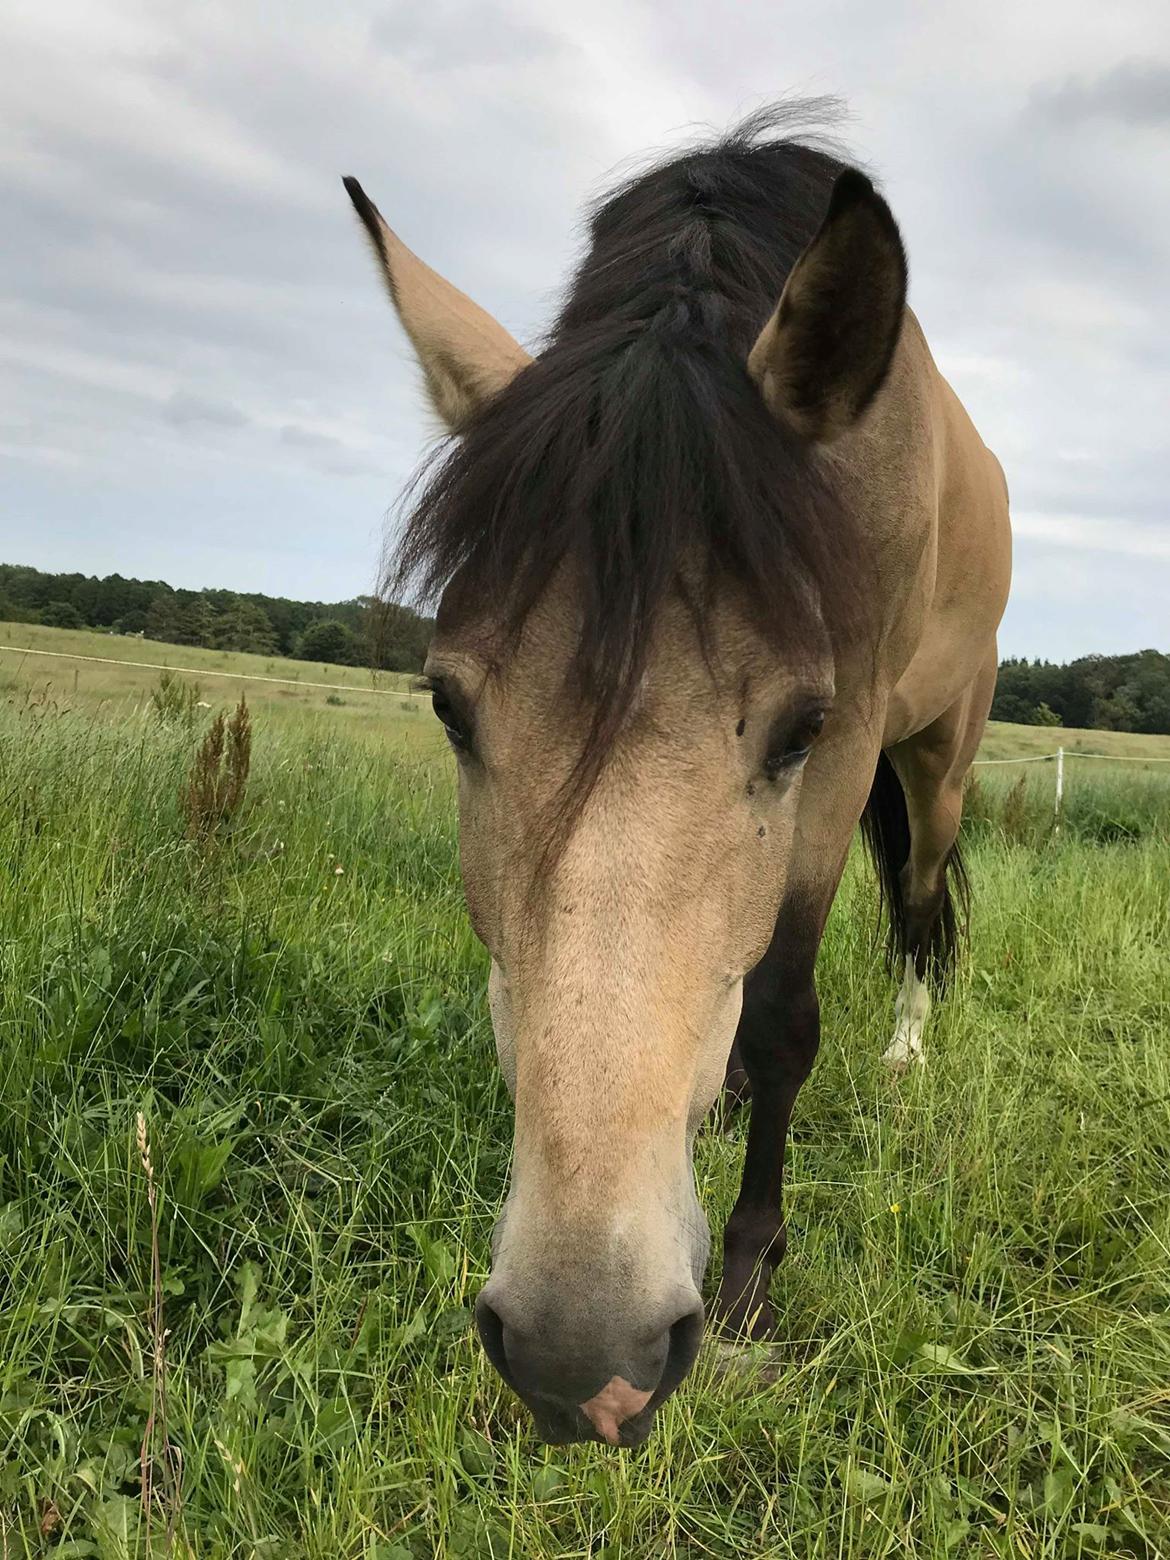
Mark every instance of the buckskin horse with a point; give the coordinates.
(719, 573)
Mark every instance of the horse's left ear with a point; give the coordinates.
(821, 358)
(465, 355)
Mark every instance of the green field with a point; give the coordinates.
(975, 1307)
(112, 675)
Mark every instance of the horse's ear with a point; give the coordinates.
(466, 356)
(822, 356)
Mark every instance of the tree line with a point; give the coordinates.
(1104, 692)
(361, 631)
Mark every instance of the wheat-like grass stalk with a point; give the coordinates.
(215, 787)
(157, 1446)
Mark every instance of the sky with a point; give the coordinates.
(201, 380)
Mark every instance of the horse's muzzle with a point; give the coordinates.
(606, 1390)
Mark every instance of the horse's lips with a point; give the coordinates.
(614, 1404)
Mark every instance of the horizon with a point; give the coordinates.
(205, 377)
(427, 613)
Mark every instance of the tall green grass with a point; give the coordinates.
(1104, 803)
(975, 1308)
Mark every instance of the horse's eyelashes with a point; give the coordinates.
(454, 722)
(792, 742)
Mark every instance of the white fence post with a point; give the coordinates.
(1060, 755)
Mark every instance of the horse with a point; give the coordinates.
(719, 571)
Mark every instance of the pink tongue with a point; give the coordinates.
(614, 1404)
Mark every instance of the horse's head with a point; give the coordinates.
(633, 661)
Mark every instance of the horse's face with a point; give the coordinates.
(618, 955)
(622, 918)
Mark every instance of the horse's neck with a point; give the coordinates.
(933, 503)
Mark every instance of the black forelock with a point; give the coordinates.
(635, 449)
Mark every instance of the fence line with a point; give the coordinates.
(1047, 758)
(202, 671)
(1115, 758)
(1039, 758)
(296, 682)
(1060, 755)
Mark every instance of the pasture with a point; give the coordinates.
(272, 1329)
(111, 675)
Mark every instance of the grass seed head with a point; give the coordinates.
(214, 792)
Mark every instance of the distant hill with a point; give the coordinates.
(361, 631)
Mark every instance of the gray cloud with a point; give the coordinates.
(1132, 92)
(446, 36)
(183, 409)
(307, 439)
(331, 454)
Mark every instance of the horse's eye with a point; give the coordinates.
(457, 733)
(789, 748)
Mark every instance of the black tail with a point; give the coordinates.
(931, 938)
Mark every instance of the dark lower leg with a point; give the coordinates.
(933, 884)
(924, 899)
(737, 1086)
(928, 927)
(778, 1039)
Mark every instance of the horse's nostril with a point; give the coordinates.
(686, 1334)
(491, 1333)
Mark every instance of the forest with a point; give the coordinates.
(361, 631)
(1102, 692)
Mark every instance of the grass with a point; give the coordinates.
(71, 669)
(1008, 741)
(975, 1308)
(113, 677)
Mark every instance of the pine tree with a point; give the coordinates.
(198, 622)
(163, 619)
(244, 626)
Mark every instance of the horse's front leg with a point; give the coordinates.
(777, 1039)
(737, 1086)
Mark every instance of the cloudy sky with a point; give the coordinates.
(201, 382)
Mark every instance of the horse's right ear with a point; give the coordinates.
(466, 356)
(821, 358)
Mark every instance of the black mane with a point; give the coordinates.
(635, 446)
